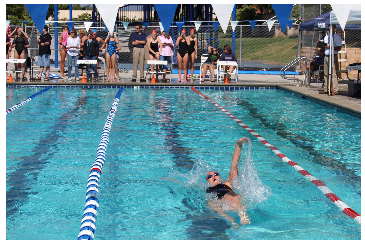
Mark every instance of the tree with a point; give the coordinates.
(83, 17)
(246, 12)
(17, 12)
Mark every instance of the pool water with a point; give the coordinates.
(161, 143)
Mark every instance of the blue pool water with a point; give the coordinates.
(161, 136)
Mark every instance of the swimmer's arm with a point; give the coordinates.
(235, 159)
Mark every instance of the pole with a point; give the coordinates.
(330, 63)
(56, 36)
(241, 46)
(70, 8)
(234, 31)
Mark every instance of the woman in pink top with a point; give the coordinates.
(63, 50)
(167, 51)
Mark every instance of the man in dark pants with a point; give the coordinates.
(138, 42)
(336, 39)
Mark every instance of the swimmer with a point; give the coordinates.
(226, 199)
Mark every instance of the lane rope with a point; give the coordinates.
(320, 185)
(27, 100)
(88, 220)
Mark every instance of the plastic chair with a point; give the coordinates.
(204, 58)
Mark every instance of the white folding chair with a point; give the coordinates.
(204, 58)
(222, 73)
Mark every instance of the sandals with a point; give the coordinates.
(46, 79)
(38, 77)
(24, 78)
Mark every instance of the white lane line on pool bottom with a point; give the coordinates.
(87, 228)
(320, 185)
(16, 106)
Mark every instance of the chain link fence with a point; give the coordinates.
(352, 38)
(258, 49)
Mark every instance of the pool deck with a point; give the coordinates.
(342, 100)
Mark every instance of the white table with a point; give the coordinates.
(87, 62)
(223, 63)
(157, 62)
(15, 61)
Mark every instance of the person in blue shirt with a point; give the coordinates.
(138, 41)
(228, 56)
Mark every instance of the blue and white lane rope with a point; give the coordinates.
(27, 100)
(87, 229)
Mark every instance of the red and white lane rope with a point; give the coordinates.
(320, 185)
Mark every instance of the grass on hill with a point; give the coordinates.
(276, 49)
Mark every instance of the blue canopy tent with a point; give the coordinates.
(322, 22)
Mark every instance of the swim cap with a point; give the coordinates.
(153, 32)
(192, 30)
(183, 30)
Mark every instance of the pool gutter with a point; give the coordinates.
(304, 92)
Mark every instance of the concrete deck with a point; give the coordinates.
(342, 100)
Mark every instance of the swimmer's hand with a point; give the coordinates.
(242, 140)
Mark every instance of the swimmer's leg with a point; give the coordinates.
(244, 219)
(213, 205)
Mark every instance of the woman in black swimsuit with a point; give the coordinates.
(154, 45)
(223, 190)
(182, 54)
(19, 44)
(8, 45)
(193, 52)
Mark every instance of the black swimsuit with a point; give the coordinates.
(183, 48)
(191, 47)
(154, 47)
(19, 44)
(220, 190)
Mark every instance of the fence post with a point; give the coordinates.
(241, 46)
(56, 36)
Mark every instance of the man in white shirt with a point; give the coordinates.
(337, 46)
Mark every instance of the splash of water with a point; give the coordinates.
(194, 177)
(248, 183)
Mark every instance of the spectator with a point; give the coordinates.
(112, 46)
(44, 53)
(101, 45)
(73, 50)
(138, 42)
(167, 51)
(155, 47)
(193, 52)
(83, 38)
(91, 52)
(26, 56)
(317, 61)
(63, 50)
(337, 47)
(210, 63)
(228, 56)
(8, 50)
(19, 43)
(182, 54)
